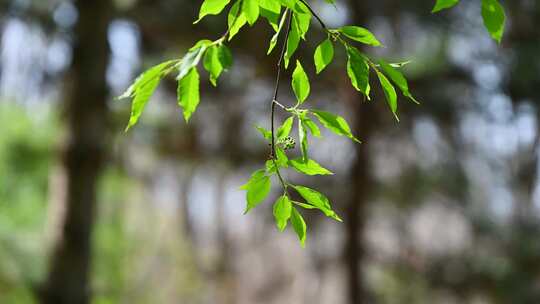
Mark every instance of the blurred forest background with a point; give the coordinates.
(441, 208)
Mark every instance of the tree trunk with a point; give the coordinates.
(83, 156)
(361, 182)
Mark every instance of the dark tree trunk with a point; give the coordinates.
(83, 156)
(361, 182)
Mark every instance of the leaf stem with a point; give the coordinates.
(275, 102)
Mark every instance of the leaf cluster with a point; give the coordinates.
(290, 20)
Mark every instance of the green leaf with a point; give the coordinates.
(265, 133)
(255, 176)
(494, 18)
(360, 34)
(281, 158)
(274, 39)
(285, 129)
(270, 9)
(212, 65)
(309, 167)
(389, 93)
(358, 71)
(318, 200)
(282, 212)
(292, 42)
(217, 59)
(302, 137)
(212, 7)
(250, 8)
(295, 6)
(271, 17)
(444, 4)
(188, 93)
(300, 83)
(303, 21)
(271, 5)
(192, 58)
(311, 126)
(281, 161)
(324, 54)
(143, 88)
(258, 188)
(398, 79)
(235, 20)
(299, 226)
(335, 123)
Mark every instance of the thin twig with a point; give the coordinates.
(315, 14)
(274, 101)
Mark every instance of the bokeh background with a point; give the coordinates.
(442, 207)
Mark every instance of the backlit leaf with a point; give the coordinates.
(143, 88)
(494, 18)
(300, 83)
(360, 34)
(188, 93)
(335, 123)
(212, 7)
(282, 212)
(324, 54)
(358, 71)
(299, 226)
(257, 189)
(444, 4)
(389, 93)
(309, 167)
(398, 79)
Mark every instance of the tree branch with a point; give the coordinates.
(274, 101)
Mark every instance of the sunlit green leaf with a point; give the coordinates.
(494, 18)
(309, 167)
(444, 4)
(281, 158)
(265, 133)
(389, 92)
(250, 8)
(282, 212)
(335, 123)
(212, 7)
(270, 9)
(292, 42)
(192, 58)
(300, 83)
(324, 54)
(274, 39)
(360, 34)
(235, 20)
(303, 21)
(258, 188)
(398, 79)
(285, 129)
(302, 137)
(358, 71)
(143, 88)
(254, 176)
(311, 126)
(299, 226)
(188, 93)
(318, 200)
(217, 59)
